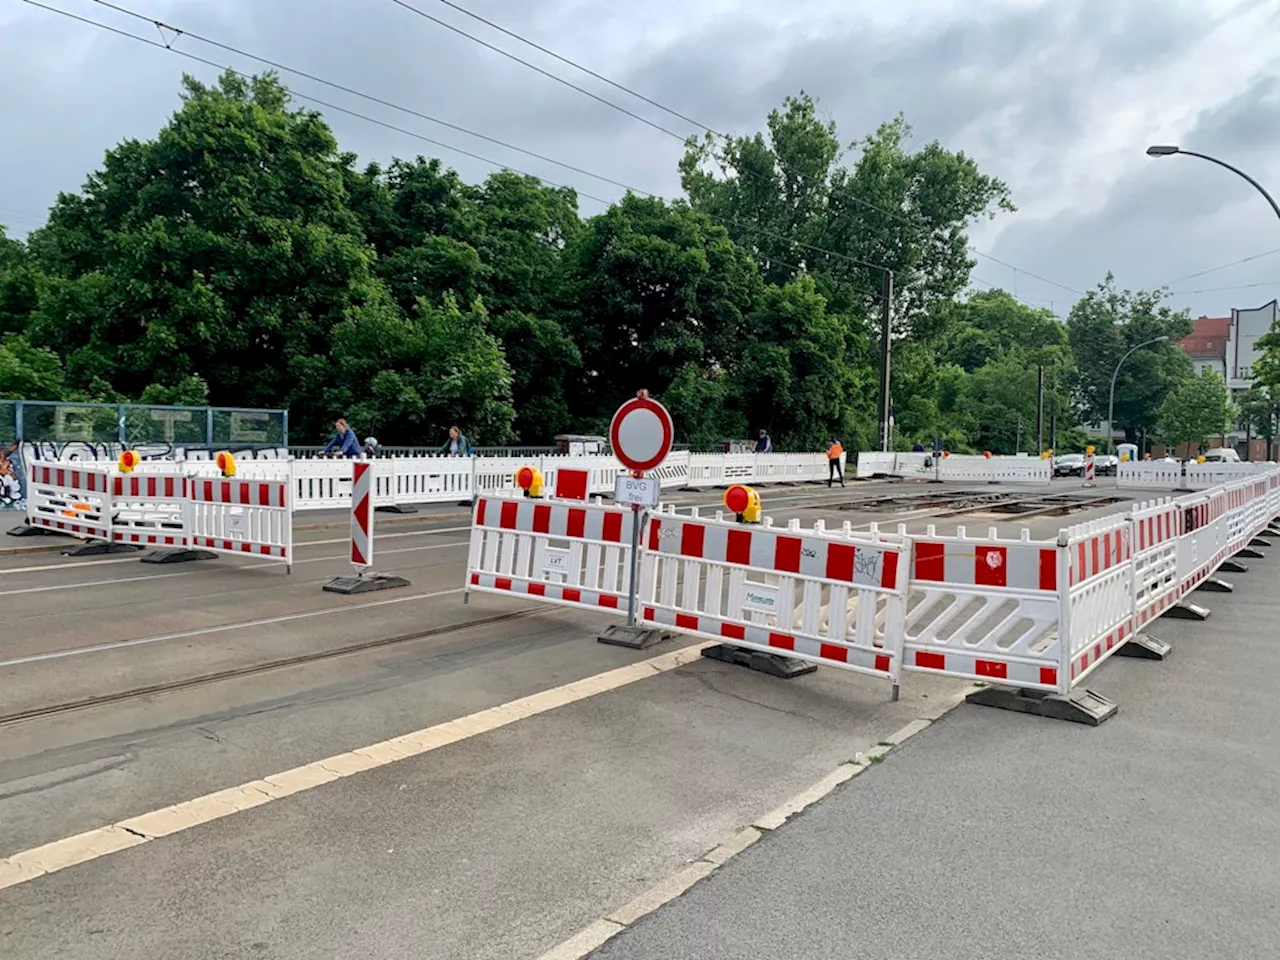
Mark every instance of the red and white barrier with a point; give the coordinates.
(70, 499)
(1157, 528)
(241, 517)
(563, 552)
(1097, 615)
(986, 609)
(831, 599)
(151, 509)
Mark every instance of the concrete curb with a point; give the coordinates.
(593, 936)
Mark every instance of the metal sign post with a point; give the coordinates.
(641, 435)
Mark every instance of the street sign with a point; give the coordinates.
(641, 434)
(642, 491)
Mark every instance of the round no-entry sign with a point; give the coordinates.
(641, 434)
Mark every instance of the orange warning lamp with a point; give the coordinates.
(945, 454)
(987, 454)
(128, 460)
(529, 479)
(1089, 450)
(226, 463)
(744, 503)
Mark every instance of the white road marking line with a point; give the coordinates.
(193, 573)
(83, 847)
(72, 564)
(220, 628)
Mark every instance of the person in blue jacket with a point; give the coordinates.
(457, 445)
(344, 441)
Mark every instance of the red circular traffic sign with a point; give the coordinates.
(641, 434)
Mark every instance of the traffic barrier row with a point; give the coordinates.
(962, 468)
(325, 484)
(1157, 474)
(231, 515)
(1039, 615)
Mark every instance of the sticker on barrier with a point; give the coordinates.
(568, 553)
(243, 517)
(830, 599)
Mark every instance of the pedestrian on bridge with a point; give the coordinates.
(457, 445)
(765, 443)
(835, 470)
(344, 440)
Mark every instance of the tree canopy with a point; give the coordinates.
(240, 258)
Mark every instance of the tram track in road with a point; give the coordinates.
(236, 673)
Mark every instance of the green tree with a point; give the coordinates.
(1104, 325)
(1260, 410)
(1196, 409)
(413, 379)
(19, 275)
(29, 373)
(224, 250)
(652, 288)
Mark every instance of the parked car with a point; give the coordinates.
(1069, 465)
(1221, 455)
(1106, 465)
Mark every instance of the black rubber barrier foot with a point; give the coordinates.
(768, 663)
(396, 508)
(366, 583)
(1268, 532)
(1214, 585)
(1142, 647)
(26, 530)
(98, 547)
(1233, 566)
(1251, 554)
(1187, 610)
(182, 555)
(633, 638)
(1259, 542)
(1081, 706)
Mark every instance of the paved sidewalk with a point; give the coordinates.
(992, 834)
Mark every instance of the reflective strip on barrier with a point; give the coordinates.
(1099, 608)
(1156, 530)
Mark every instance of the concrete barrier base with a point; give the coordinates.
(1081, 706)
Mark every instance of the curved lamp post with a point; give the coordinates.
(1111, 402)
(1168, 151)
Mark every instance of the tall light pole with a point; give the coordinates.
(1168, 151)
(1111, 403)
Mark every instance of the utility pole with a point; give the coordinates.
(886, 329)
(1040, 409)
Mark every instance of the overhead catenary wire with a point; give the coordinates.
(866, 204)
(302, 96)
(1233, 263)
(277, 65)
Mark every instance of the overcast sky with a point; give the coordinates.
(1057, 97)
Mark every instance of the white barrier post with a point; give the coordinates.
(364, 580)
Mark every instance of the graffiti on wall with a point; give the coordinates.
(82, 450)
(12, 492)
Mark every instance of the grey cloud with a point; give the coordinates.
(1247, 124)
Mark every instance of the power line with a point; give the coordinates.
(1242, 286)
(302, 96)
(577, 66)
(897, 215)
(178, 32)
(1233, 263)
(532, 66)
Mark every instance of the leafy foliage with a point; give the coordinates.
(239, 258)
(1198, 408)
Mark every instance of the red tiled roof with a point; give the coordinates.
(1208, 338)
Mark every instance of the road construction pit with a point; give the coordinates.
(1057, 505)
(983, 504)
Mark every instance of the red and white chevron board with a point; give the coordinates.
(362, 514)
(777, 551)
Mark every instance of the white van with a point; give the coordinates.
(1221, 455)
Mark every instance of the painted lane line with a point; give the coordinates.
(220, 628)
(83, 847)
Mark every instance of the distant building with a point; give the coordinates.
(1208, 343)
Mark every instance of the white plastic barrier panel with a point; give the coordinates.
(70, 499)
(1021, 470)
(1157, 527)
(831, 599)
(238, 516)
(151, 509)
(872, 462)
(966, 468)
(1204, 541)
(321, 484)
(1099, 611)
(563, 552)
(986, 609)
(430, 479)
(1203, 476)
(1155, 474)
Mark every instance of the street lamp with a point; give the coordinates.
(1168, 151)
(1111, 403)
